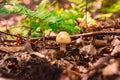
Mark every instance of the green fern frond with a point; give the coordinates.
(4, 11)
(42, 18)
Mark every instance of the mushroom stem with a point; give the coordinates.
(63, 47)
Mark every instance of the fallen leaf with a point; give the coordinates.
(99, 43)
(111, 69)
(101, 49)
(116, 50)
(80, 41)
(100, 62)
(89, 49)
(11, 49)
(115, 42)
(82, 69)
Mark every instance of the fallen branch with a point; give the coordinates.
(73, 37)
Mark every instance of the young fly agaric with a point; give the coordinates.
(63, 38)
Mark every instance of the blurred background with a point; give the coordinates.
(61, 11)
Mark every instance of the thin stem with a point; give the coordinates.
(63, 47)
(86, 12)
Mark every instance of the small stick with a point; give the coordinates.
(73, 37)
(10, 34)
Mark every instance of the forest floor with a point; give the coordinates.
(92, 55)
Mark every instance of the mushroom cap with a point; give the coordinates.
(63, 37)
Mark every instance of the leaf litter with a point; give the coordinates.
(90, 56)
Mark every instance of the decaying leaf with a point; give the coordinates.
(116, 50)
(110, 22)
(79, 41)
(111, 69)
(115, 42)
(100, 61)
(82, 69)
(101, 49)
(89, 49)
(108, 37)
(11, 49)
(99, 43)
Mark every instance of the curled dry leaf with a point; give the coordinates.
(82, 69)
(38, 54)
(49, 53)
(100, 61)
(115, 42)
(111, 69)
(101, 49)
(82, 23)
(80, 41)
(89, 49)
(110, 22)
(116, 50)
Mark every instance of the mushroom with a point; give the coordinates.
(63, 38)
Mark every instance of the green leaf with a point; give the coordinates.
(34, 25)
(4, 11)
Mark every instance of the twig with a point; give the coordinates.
(96, 34)
(10, 34)
(73, 37)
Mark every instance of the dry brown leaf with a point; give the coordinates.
(101, 49)
(29, 49)
(111, 69)
(110, 22)
(80, 41)
(99, 43)
(10, 49)
(99, 62)
(49, 53)
(116, 50)
(108, 37)
(82, 69)
(115, 42)
(82, 23)
(28, 46)
(89, 49)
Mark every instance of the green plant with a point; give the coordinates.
(111, 7)
(42, 19)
